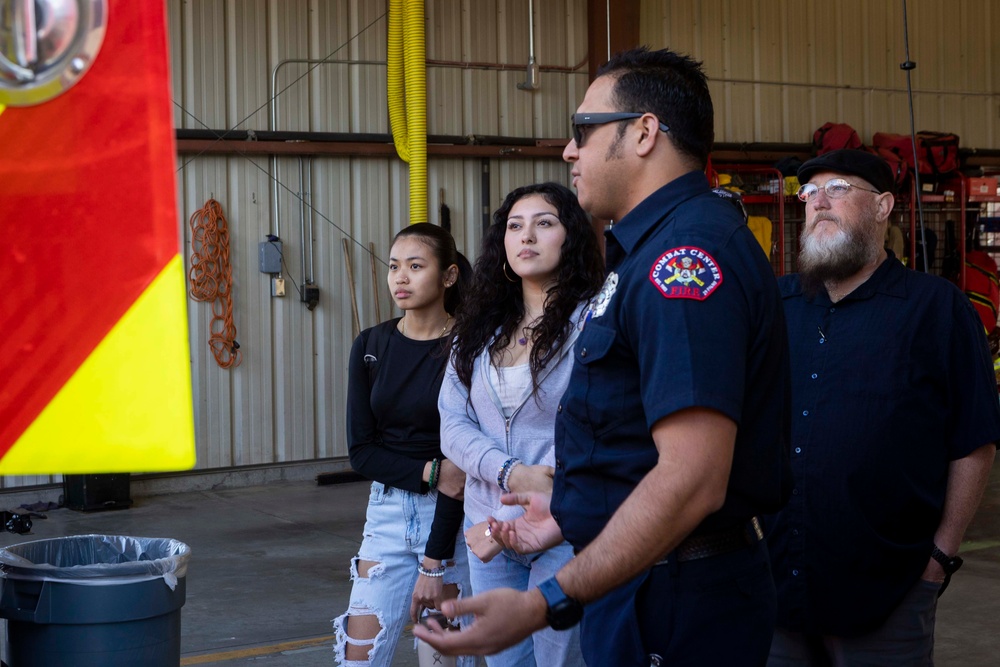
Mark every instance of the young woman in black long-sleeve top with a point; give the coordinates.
(408, 559)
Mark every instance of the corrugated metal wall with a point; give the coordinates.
(780, 68)
(286, 401)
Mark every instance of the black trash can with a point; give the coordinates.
(93, 601)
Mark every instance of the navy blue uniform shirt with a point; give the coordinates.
(690, 315)
(889, 386)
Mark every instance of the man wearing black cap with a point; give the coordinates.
(894, 420)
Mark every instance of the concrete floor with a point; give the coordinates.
(269, 569)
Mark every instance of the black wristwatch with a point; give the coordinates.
(564, 612)
(949, 564)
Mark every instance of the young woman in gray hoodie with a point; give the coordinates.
(539, 265)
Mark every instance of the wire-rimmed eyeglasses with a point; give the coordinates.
(835, 188)
(581, 121)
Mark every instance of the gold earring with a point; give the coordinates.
(506, 275)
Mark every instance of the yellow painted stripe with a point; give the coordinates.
(32, 96)
(128, 408)
(257, 652)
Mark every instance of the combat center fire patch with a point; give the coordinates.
(686, 273)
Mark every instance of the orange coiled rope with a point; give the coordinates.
(211, 277)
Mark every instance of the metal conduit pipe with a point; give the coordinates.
(356, 137)
(510, 67)
(310, 227)
(364, 149)
(531, 82)
(455, 64)
(302, 220)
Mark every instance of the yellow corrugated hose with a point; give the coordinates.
(397, 101)
(407, 91)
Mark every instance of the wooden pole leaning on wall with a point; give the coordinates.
(375, 288)
(350, 281)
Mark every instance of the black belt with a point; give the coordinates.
(696, 547)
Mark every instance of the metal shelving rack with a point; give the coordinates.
(763, 192)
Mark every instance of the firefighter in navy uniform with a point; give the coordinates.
(656, 350)
(672, 436)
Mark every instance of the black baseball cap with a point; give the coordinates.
(867, 165)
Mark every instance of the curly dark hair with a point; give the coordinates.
(495, 303)
(671, 86)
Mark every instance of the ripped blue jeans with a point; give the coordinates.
(397, 526)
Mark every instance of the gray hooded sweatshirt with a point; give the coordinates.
(478, 439)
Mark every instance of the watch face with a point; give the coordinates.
(949, 564)
(563, 611)
(565, 614)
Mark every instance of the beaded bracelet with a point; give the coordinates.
(436, 572)
(504, 475)
(432, 479)
(506, 479)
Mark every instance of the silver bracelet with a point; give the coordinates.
(436, 572)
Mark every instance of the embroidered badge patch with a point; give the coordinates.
(599, 304)
(686, 273)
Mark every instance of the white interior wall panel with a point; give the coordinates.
(332, 199)
(781, 68)
(204, 48)
(554, 44)
(444, 21)
(480, 106)
(515, 114)
(367, 41)
(249, 73)
(253, 420)
(329, 33)
(288, 39)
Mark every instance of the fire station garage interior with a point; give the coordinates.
(299, 136)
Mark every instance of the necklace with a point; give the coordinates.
(523, 340)
(444, 329)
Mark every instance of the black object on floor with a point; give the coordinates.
(327, 478)
(15, 523)
(97, 492)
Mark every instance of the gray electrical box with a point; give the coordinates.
(269, 256)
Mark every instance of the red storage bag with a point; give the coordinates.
(834, 136)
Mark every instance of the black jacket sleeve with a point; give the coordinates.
(448, 516)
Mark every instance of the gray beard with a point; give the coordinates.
(839, 258)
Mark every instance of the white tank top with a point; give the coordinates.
(511, 384)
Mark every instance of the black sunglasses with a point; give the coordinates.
(580, 121)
